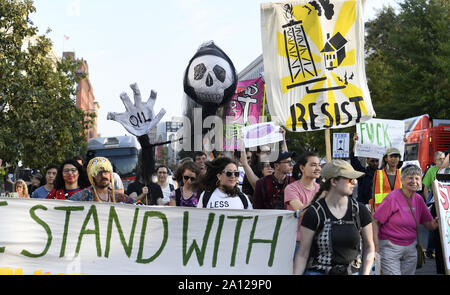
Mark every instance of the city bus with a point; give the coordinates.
(122, 151)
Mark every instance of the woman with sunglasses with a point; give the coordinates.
(70, 179)
(332, 227)
(186, 195)
(220, 186)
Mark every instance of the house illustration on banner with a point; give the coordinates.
(334, 51)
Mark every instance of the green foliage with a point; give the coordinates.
(40, 123)
(408, 58)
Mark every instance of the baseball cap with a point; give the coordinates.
(337, 168)
(392, 151)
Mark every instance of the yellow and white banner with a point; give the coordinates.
(64, 237)
(314, 64)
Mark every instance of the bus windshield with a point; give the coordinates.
(124, 160)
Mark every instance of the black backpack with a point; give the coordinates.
(207, 195)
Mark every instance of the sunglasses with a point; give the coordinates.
(186, 178)
(231, 173)
(348, 180)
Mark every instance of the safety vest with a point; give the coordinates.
(382, 186)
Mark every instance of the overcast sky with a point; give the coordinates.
(151, 43)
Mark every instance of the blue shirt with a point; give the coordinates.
(40, 193)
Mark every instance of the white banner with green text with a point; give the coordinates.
(65, 237)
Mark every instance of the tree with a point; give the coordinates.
(408, 60)
(40, 123)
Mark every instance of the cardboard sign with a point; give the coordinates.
(341, 145)
(376, 136)
(441, 193)
(39, 236)
(261, 134)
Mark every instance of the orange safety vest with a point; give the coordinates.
(382, 187)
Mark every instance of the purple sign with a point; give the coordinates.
(244, 109)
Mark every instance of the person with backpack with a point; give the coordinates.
(332, 227)
(187, 194)
(220, 186)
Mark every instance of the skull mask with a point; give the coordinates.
(210, 77)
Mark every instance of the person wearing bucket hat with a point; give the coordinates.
(332, 227)
(100, 174)
(387, 178)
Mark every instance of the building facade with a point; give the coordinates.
(85, 99)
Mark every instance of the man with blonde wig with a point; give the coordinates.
(100, 174)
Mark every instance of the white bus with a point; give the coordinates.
(122, 151)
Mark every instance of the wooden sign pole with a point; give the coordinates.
(328, 145)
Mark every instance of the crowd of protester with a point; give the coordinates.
(337, 233)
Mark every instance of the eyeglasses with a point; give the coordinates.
(71, 170)
(186, 178)
(231, 173)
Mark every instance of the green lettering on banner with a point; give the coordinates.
(378, 134)
(148, 215)
(3, 203)
(236, 235)
(113, 217)
(84, 231)
(273, 242)
(386, 136)
(194, 246)
(217, 240)
(47, 230)
(68, 210)
(362, 126)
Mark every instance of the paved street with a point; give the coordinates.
(430, 264)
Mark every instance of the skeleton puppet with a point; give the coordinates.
(209, 82)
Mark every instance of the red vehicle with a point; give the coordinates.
(423, 140)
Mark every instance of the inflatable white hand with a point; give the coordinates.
(138, 119)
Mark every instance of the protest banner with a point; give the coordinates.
(64, 237)
(314, 64)
(244, 109)
(261, 134)
(341, 145)
(376, 136)
(441, 193)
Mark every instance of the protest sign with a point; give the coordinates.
(261, 134)
(244, 109)
(63, 237)
(314, 64)
(441, 193)
(376, 136)
(341, 144)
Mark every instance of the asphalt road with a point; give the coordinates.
(430, 264)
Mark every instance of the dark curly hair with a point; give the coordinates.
(209, 181)
(83, 180)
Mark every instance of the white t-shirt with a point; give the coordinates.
(166, 193)
(220, 200)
